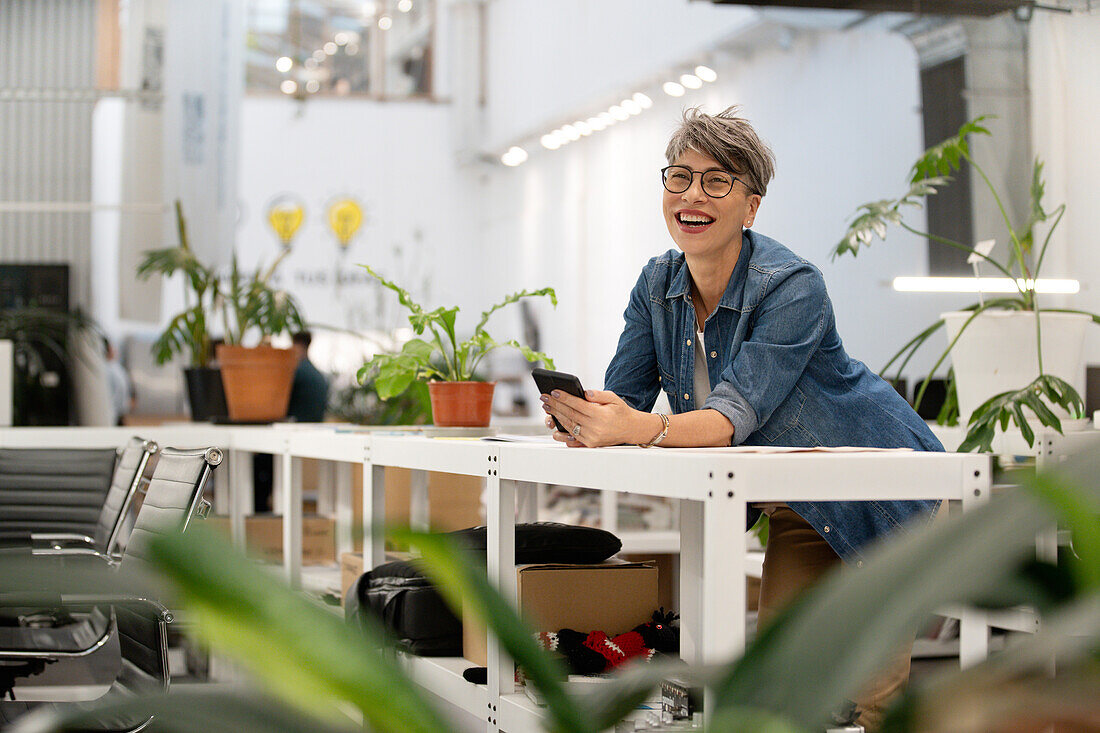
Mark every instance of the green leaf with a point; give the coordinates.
(189, 709)
(394, 377)
(829, 643)
(1010, 405)
(942, 159)
(877, 215)
(301, 652)
(465, 587)
(419, 349)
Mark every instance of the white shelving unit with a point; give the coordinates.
(713, 486)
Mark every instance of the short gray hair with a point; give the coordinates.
(727, 138)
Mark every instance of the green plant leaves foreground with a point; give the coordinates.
(821, 650)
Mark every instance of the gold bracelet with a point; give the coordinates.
(660, 436)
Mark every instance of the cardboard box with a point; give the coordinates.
(264, 537)
(351, 567)
(614, 596)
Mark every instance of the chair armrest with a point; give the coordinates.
(62, 538)
(48, 599)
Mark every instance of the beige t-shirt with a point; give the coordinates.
(703, 389)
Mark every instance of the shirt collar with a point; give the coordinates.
(680, 287)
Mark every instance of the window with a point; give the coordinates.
(949, 211)
(377, 48)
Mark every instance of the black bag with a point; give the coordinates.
(409, 606)
(549, 542)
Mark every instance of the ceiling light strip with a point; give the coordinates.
(983, 285)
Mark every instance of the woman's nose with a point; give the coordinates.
(695, 191)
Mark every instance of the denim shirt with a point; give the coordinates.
(778, 372)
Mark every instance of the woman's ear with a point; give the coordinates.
(754, 206)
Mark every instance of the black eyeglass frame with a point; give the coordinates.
(664, 180)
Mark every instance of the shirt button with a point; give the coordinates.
(826, 528)
(659, 378)
(714, 355)
(859, 564)
(689, 342)
(687, 396)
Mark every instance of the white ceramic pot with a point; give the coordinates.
(996, 353)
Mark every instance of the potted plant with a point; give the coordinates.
(187, 332)
(996, 374)
(449, 365)
(257, 378)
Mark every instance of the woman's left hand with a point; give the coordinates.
(601, 419)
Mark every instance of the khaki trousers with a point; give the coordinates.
(795, 558)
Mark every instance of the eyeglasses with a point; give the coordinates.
(717, 183)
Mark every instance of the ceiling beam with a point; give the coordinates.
(927, 7)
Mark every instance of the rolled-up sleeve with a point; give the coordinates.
(788, 324)
(632, 373)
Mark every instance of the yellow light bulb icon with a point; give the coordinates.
(285, 215)
(345, 216)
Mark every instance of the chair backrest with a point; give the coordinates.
(171, 501)
(129, 470)
(52, 489)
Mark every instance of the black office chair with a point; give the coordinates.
(129, 473)
(52, 490)
(172, 500)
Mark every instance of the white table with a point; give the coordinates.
(714, 486)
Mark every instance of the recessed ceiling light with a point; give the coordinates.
(550, 142)
(515, 156)
(583, 128)
(596, 123)
(706, 73)
(404, 5)
(673, 89)
(607, 119)
(631, 107)
(330, 48)
(571, 132)
(619, 113)
(284, 64)
(289, 86)
(643, 100)
(385, 22)
(313, 86)
(691, 81)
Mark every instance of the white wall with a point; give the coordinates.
(841, 111)
(1065, 103)
(551, 62)
(397, 160)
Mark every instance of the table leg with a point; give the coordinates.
(501, 566)
(419, 504)
(292, 522)
(343, 508)
(527, 502)
(240, 492)
(691, 581)
(973, 623)
(374, 512)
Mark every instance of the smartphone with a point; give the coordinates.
(547, 381)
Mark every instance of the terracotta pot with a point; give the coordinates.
(257, 381)
(461, 404)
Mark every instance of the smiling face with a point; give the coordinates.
(705, 226)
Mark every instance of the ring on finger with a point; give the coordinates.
(577, 430)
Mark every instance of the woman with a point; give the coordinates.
(739, 332)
